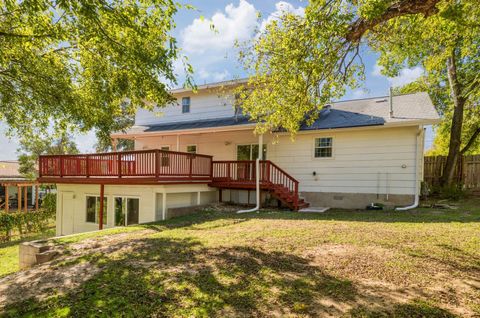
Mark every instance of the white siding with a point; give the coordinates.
(203, 105)
(146, 193)
(362, 160)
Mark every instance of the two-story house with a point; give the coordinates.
(202, 150)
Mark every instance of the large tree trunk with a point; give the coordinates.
(457, 122)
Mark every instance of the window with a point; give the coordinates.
(250, 152)
(323, 147)
(192, 149)
(93, 209)
(185, 105)
(127, 211)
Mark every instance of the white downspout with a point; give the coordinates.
(257, 175)
(417, 195)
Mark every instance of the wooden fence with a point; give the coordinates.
(467, 172)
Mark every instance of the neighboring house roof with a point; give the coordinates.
(9, 171)
(211, 85)
(407, 109)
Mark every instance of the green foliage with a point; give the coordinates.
(300, 63)
(24, 223)
(452, 192)
(82, 64)
(49, 203)
(31, 149)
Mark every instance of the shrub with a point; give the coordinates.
(24, 223)
(49, 203)
(453, 192)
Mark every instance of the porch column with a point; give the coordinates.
(100, 213)
(6, 199)
(178, 142)
(19, 198)
(36, 197)
(114, 144)
(25, 198)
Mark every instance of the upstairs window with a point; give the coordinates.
(323, 147)
(185, 105)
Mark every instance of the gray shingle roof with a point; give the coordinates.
(342, 114)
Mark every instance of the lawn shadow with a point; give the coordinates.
(164, 277)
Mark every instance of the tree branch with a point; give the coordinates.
(401, 8)
(470, 141)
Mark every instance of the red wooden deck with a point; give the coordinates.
(129, 167)
(167, 167)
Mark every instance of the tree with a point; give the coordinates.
(439, 92)
(30, 151)
(72, 64)
(300, 63)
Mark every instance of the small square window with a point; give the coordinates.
(185, 105)
(192, 149)
(323, 147)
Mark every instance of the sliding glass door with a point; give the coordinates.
(127, 211)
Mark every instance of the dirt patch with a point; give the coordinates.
(69, 270)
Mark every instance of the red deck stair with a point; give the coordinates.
(241, 175)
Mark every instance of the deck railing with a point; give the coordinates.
(160, 164)
(238, 172)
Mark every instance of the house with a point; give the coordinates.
(16, 192)
(202, 150)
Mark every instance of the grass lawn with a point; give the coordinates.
(9, 251)
(422, 263)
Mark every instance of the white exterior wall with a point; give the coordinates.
(367, 160)
(205, 104)
(75, 211)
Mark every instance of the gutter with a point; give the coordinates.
(417, 190)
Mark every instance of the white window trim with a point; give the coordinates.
(189, 105)
(314, 147)
(125, 197)
(105, 208)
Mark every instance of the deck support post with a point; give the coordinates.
(100, 214)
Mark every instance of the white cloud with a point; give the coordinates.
(214, 76)
(407, 75)
(236, 23)
(281, 7)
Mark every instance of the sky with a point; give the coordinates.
(214, 58)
